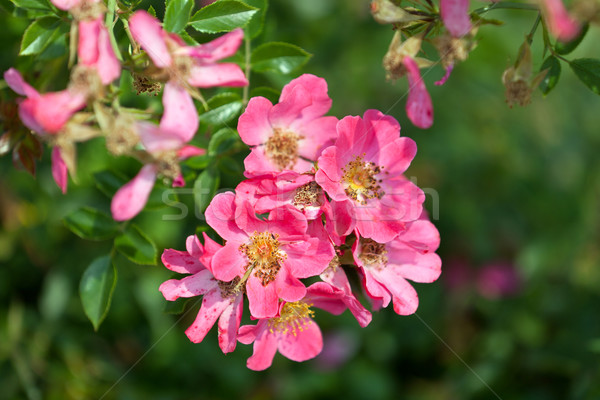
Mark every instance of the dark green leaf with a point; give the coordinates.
(255, 26)
(136, 246)
(267, 92)
(177, 15)
(278, 57)
(41, 5)
(222, 141)
(566, 48)
(229, 166)
(152, 11)
(222, 16)
(39, 35)
(108, 182)
(89, 223)
(588, 71)
(205, 187)
(551, 79)
(199, 162)
(224, 107)
(96, 289)
(188, 39)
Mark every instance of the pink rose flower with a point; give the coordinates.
(196, 65)
(222, 300)
(177, 126)
(292, 331)
(385, 267)
(291, 134)
(272, 255)
(560, 23)
(455, 15)
(363, 175)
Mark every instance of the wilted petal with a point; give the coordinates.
(418, 105)
(132, 197)
(59, 170)
(455, 15)
(180, 117)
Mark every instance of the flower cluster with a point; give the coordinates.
(322, 197)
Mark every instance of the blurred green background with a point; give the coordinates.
(514, 193)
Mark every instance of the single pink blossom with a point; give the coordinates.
(59, 170)
(44, 113)
(291, 134)
(292, 330)
(385, 267)
(418, 105)
(271, 254)
(560, 23)
(455, 15)
(177, 126)
(221, 300)
(498, 280)
(95, 50)
(196, 65)
(363, 175)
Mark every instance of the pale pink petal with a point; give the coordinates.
(193, 246)
(186, 152)
(59, 169)
(194, 285)
(224, 74)
(181, 262)
(229, 323)
(27, 110)
(228, 262)
(301, 345)
(180, 117)
(87, 45)
(156, 139)
(262, 300)
(108, 66)
(284, 113)
(318, 135)
(560, 23)
(53, 110)
(455, 15)
(212, 307)
(222, 47)
(396, 156)
(404, 296)
(16, 82)
(317, 90)
(254, 126)
(146, 30)
(247, 334)
(132, 197)
(418, 105)
(66, 4)
(265, 347)
(221, 215)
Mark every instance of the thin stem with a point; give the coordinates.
(109, 21)
(125, 23)
(534, 28)
(507, 5)
(246, 70)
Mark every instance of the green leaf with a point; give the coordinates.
(229, 166)
(566, 48)
(152, 11)
(177, 15)
(551, 79)
(224, 107)
(96, 289)
(89, 223)
(267, 92)
(199, 162)
(222, 16)
(221, 141)
(41, 5)
(205, 187)
(255, 26)
(278, 57)
(108, 182)
(39, 35)
(136, 246)
(588, 71)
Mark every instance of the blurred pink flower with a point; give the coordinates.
(455, 15)
(560, 23)
(291, 134)
(419, 107)
(95, 50)
(498, 280)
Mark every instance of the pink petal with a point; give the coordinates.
(146, 30)
(247, 334)
(189, 151)
(210, 249)
(317, 90)
(190, 286)
(285, 112)
(382, 128)
(16, 82)
(224, 74)
(262, 300)
(303, 344)
(254, 126)
(326, 297)
(380, 224)
(132, 197)
(418, 105)
(404, 296)
(288, 287)
(27, 110)
(318, 135)
(212, 307)
(53, 110)
(108, 66)
(156, 139)
(181, 262)
(229, 323)
(59, 169)
(66, 4)
(455, 15)
(449, 69)
(328, 175)
(180, 117)
(221, 215)
(265, 347)
(560, 22)
(289, 223)
(307, 261)
(228, 262)
(397, 156)
(87, 46)
(222, 47)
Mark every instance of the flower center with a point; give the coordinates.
(264, 256)
(282, 148)
(360, 181)
(293, 318)
(308, 195)
(372, 254)
(229, 289)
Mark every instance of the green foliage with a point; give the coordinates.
(278, 57)
(222, 16)
(39, 35)
(136, 246)
(552, 65)
(568, 47)
(255, 26)
(38, 5)
(588, 71)
(224, 108)
(91, 224)
(177, 14)
(96, 289)
(222, 140)
(205, 187)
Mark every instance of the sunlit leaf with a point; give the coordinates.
(96, 289)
